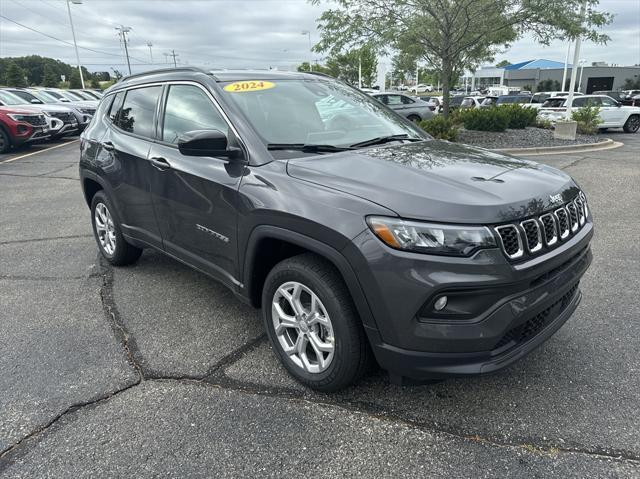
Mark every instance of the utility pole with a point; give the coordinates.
(359, 71)
(173, 54)
(576, 59)
(582, 62)
(308, 33)
(73, 33)
(122, 31)
(149, 44)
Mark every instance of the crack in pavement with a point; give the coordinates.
(216, 377)
(4, 277)
(40, 176)
(52, 238)
(574, 162)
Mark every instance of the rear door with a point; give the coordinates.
(194, 196)
(611, 112)
(124, 152)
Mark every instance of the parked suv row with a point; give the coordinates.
(358, 235)
(19, 126)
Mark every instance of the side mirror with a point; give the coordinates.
(206, 143)
(36, 101)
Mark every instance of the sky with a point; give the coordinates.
(230, 33)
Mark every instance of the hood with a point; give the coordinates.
(440, 181)
(46, 107)
(17, 110)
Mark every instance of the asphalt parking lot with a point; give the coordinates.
(156, 370)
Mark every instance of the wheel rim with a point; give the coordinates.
(634, 123)
(303, 327)
(105, 229)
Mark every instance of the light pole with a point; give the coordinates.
(582, 62)
(73, 33)
(308, 33)
(564, 73)
(576, 58)
(149, 44)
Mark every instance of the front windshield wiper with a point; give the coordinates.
(307, 147)
(384, 139)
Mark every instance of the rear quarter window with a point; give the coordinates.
(138, 111)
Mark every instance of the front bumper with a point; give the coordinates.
(526, 304)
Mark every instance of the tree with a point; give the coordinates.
(116, 74)
(50, 79)
(346, 66)
(95, 83)
(631, 84)
(454, 34)
(74, 80)
(503, 63)
(548, 85)
(14, 75)
(304, 67)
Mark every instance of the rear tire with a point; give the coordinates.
(5, 142)
(632, 124)
(313, 325)
(414, 118)
(107, 232)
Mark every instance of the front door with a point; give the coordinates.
(194, 196)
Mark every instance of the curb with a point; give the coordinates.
(607, 144)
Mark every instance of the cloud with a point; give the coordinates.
(229, 33)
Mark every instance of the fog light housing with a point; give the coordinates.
(440, 303)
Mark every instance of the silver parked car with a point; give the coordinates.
(414, 110)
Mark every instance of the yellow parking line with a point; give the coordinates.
(36, 152)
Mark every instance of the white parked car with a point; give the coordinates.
(538, 99)
(421, 88)
(612, 113)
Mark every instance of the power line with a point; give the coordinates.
(64, 41)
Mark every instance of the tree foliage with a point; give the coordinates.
(503, 63)
(74, 79)
(631, 84)
(345, 65)
(14, 75)
(50, 79)
(453, 35)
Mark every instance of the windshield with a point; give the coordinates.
(316, 112)
(7, 98)
(71, 95)
(44, 96)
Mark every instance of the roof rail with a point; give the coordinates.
(162, 70)
(320, 74)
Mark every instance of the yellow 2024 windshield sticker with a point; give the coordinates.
(249, 85)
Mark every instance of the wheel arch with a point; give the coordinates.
(264, 238)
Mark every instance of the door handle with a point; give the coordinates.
(160, 163)
(107, 145)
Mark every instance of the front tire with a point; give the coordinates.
(5, 142)
(632, 124)
(313, 325)
(414, 118)
(107, 232)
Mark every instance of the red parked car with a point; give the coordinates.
(20, 126)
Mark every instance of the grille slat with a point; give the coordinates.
(510, 240)
(534, 234)
(35, 120)
(64, 116)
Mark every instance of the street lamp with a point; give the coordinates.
(73, 33)
(582, 62)
(149, 44)
(308, 33)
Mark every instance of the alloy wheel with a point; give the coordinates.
(105, 229)
(303, 327)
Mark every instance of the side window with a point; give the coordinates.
(189, 108)
(394, 100)
(579, 102)
(138, 109)
(116, 106)
(606, 101)
(406, 100)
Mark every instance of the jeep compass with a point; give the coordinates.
(359, 236)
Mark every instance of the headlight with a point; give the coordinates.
(431, 238)
(18, 117)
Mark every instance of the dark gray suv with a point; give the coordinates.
(358, 235)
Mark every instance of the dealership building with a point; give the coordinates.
(591, 77)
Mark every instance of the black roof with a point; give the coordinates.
(218, 75)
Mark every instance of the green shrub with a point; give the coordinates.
(588, 118)
(441, 128)
(519, 116)
(544, 124)
(485, 119)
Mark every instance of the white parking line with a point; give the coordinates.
(36, 152)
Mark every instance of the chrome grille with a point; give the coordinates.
(511, 242)
(549, 228)
(534, 235)
(573, 216)
(65, 117)
(35, 120)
